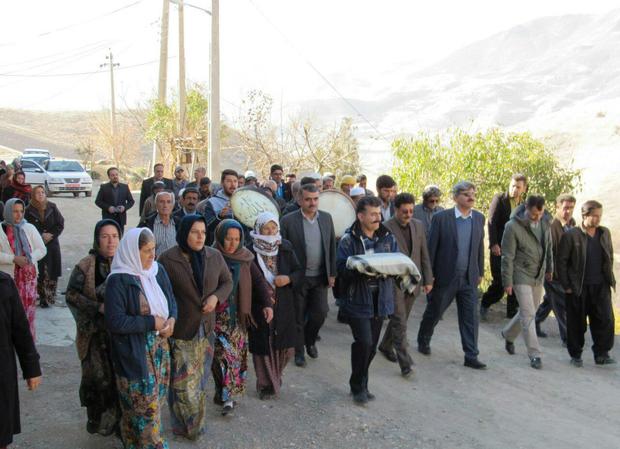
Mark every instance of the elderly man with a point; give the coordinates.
(328, 183)
(147, 184)
(162, 223)
(270, 188)
(456, 248)
(431, 198)
(114, 199)
(199, 173)
(411, 238)
(295, 202)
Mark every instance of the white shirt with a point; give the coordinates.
(459, 214)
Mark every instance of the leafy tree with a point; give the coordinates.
(488, 159)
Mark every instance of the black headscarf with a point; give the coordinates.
(100, 224)
(196, 257)
(102, 264)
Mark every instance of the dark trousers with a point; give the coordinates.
(466, 300)
(311, 310)
(593, 303)
(554, 299)
(366, 333)
(495, 292)
(395, 336)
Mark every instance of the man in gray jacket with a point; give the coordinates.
(527, 261)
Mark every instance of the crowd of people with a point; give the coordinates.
(191, 292)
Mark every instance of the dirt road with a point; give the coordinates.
(443, 406)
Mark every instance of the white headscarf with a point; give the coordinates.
(127, 261)
(267, 245)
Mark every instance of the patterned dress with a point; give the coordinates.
(143, 400)
(26, 281)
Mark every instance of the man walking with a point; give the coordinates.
(585, 269)
(456, 249)
(411, 239)
(555, 298)
(386, 189)
(314, 241)
(500, 210)
(147, 184)
(114, 199)
(368, 299)
(276, 173)
(431, 198)
(218, 206)
(527, 261)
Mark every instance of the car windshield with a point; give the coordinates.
(64, 166)
(41, 160)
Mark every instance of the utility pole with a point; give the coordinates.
(163, 68)
(112, 64)
(182, 105)
(214, 100)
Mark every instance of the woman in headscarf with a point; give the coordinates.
(140, 313)
(234, 314)
(45, 216)
(21, 247)
(271, 344)
(200, 279)
(85, 297)
(17, 188)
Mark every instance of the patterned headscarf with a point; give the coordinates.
(266, 245)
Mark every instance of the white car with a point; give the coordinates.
(58, 176)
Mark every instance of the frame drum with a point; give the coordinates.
(248, 202)
(341, 207)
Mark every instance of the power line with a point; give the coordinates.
(94, 72)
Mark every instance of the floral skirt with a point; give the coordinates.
(26, 281)
(191, 365)
(46, 287)
(230, 360)
(142, 400)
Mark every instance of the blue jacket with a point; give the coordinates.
(443, 247)
(127, 326)
(356, 300)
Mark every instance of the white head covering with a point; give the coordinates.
(266, 245)
(127, 261)
(356, 191)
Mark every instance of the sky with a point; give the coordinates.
(293, 50)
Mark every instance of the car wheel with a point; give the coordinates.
(88, 194)
(76, 194)
(48, 192)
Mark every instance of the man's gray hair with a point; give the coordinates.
(295, 189)
(462, 186)
(430, 191)
(165, 192)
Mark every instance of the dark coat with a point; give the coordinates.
(291, 206)
(147, 189)
(14, 338)
(54, 223)
(127, 326)
(105, 199)
(217, 281)
(499, 214)
(292, 229)
(355, 298)
(419, 248)
(443, 248)
(557, 231)
(283, 327)
(572, 259)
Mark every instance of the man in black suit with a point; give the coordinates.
(456, 249)
(147, 184)
(314, 241)
(114, 199)
(500, 209)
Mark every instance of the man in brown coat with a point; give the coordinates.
(411, 239)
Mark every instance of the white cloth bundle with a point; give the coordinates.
(387, 264)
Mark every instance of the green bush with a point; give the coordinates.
(488, 159)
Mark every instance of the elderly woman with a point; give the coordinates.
(200, 279)
(140, 312)
(234, 315)
(17, 188)
(84, 296)
(45, 216)
(21, 247)
(272, 342)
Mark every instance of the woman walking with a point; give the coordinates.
(45, 216)
(272, 343)
(234, 314)
(85, 293)
(21, 247)
(200, 279)
(17, 188)
(140, 313)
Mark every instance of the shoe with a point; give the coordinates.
(390, 355)
(424, 349)
(92, 427)
(536, 363)
(360, 398)
(604, 360)
(228, 408)
(475, 364)
(312, 351)
(266, 393)
(43, 305)
(406, 372)
(300, 360)
(510, 346)
(484, 313)
(576, 362)
(539, 332)
(370, 396)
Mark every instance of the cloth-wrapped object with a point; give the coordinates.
(388, 264)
